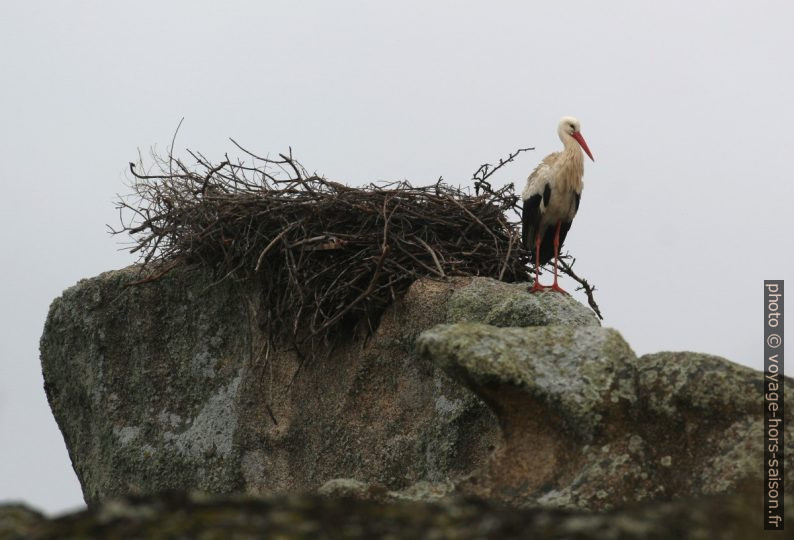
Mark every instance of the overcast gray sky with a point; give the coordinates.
(685, 105)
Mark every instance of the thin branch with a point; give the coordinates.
(171, 151)
(583, 284)
(486, 170)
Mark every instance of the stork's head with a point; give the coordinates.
(569, 128)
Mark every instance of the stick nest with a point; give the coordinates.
(328, 256)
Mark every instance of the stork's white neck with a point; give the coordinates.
(571, 163)
(572, 151)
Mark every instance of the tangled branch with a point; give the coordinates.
(486, 170)
(328, 256)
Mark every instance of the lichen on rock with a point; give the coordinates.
(734, 516)
(585, 424)
(511, 304)
(468, 386)
(579, 373)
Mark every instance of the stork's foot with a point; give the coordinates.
(555, 287)
(537, 287)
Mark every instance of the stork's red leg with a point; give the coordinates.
(555, 286)
(537, 286)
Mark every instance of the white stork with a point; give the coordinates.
(551, 199)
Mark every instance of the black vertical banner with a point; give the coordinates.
(773, 405)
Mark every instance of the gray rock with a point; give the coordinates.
(420, 491)
(700, 397)
(348, 487)
(173, 385)
(581, 373)
(511, 304)
(699, 382)
(735, 516)
(587, 425)
(18, 521)
(144, 381)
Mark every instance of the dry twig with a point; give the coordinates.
(328, 256)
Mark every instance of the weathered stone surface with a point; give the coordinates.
(587, 425)
(713, 408)
(143, 382)
(350, 487)
(511, 304)
(171, 385)
(420, 491)
(18, 521)
(579, 373)
(727, 517)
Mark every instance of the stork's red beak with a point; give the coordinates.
(578, 136)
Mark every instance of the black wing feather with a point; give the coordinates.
(530, 219)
